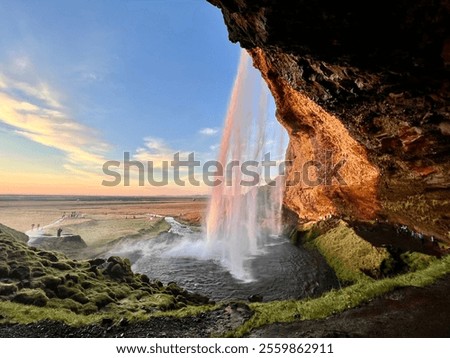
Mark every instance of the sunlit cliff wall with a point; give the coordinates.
(363, 89)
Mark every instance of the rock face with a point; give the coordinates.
(363, 91)
(65, 243)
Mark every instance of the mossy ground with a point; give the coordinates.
(37, 284)
(356, 263)
(78, 293)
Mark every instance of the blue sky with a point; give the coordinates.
(83, 81)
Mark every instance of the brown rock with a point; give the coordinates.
(366, 83)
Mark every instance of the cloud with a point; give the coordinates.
(157, 151)
(209, 131)
(36, 114)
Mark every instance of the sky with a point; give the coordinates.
(83, 82)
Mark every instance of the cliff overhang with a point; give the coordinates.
(366, 85)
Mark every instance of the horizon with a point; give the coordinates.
(83, 83)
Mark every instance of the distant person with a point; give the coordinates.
(58, 233)
(32, 226)
(38, 227)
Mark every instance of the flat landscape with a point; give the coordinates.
(97, 220)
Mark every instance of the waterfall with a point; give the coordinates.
(242, 217)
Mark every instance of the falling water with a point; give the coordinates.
(240, 217)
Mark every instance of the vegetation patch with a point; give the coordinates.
(352, 258)
(337, 301)
(37, 285)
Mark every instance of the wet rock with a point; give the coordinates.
(196, 298)
(145, 278)
(117, 271)
(96, 262)
(255, 298)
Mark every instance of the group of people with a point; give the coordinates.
(72, 215)
(33, 227)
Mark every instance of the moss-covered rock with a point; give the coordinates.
(7, 289)
(4, 270)
(48, 255)
(65, 266)
(350, 256)
(34, 297)
(101, 299)
(20, 272)
(64, 291)
(42, 278)
(51, 282)
(17, 235)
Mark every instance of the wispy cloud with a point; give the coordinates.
(39, 93)
(156, 150)
(34, 112)
(209, 131)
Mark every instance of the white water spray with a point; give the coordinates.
(241, 218)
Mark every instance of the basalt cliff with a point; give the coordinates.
(363, 91)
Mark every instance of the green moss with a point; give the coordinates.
(67, 304)
(337, 301)
(417, 261)
(160, 300)
(100, 299)
(18, 313)
(352, 258)
(34, 297)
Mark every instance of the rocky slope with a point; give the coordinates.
(363, 91)
(46, 279)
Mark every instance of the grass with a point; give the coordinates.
(99, 232)
(25, 314)
(338, 300)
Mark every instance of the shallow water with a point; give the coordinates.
(279, 271)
